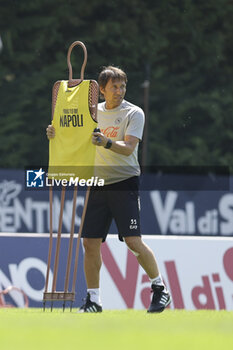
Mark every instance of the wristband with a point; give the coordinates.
(108, 144)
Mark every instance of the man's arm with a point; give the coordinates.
(125, 147)
(50, 132)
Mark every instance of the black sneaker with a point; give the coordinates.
(160, 300)
(90, 306)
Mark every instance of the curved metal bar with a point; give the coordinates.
(75, 43)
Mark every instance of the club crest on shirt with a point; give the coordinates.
(118, 121)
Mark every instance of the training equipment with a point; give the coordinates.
(74, 114)
(160, 300)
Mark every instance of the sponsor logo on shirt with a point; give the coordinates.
(110, 131)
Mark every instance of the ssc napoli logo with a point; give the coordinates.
(118, 121)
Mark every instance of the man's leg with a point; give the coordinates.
(92, 265)
(145, 256)
(92, 261)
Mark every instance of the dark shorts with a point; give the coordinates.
(119, 201)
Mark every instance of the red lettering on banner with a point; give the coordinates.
(174, 285)
(206, 291)
(146, 292)
(220, 296)
(228, 263)
(219, 292)
(127, 285)
(111, 131)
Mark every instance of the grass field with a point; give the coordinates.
(127, 329)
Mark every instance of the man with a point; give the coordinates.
(121, 126)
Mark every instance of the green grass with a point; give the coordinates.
(122, 330)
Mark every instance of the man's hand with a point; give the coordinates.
(50, 132)
(98, 139)
(125, 147)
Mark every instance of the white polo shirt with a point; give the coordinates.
(126, 119)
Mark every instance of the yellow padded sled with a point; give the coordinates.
(74, 117)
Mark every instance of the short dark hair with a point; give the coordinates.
(110, 72)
